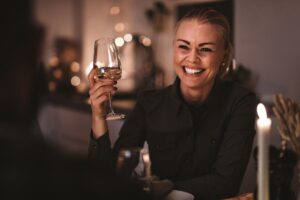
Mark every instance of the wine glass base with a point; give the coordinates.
(115, 116)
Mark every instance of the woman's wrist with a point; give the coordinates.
(99, 125)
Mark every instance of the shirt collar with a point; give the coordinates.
(211, 99)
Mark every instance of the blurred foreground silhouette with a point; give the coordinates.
(30, 168)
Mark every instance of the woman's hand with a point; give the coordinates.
(99, 95)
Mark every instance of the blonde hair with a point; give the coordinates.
(214, 17)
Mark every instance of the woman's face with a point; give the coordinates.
(198, 54)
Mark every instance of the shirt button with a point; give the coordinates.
(213, 141)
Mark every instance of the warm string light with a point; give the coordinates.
(115, 10)
(75, 67)
(119, 41)
(128, 37)
(145, 40)
(58, 74)
(75, 81)
(53, 62)
(119, 27)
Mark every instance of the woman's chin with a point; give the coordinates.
(189, 84)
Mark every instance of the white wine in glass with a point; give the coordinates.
(106, 59)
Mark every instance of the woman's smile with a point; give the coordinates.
(192, 70)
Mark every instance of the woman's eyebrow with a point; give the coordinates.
(199, 45)
(206, 43)
(181, 40)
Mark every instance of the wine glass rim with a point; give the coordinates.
(104, 39)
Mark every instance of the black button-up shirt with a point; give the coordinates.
(204, 150)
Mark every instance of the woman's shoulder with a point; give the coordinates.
(236, 89)
(236, 94)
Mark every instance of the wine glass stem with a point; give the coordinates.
(110, 104)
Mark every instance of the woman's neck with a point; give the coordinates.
(195, 96)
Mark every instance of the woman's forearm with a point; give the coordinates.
(99, 126)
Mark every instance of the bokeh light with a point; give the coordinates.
(52, 86)
(53, 61)
(115, 10)
(128, 37)
(75, 67)
(120, 27)
(145, 41)
(58, 73)
(75, 81)
(119, 41)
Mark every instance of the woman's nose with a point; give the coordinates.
(193, 56)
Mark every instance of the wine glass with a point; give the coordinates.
(128, 159)
(106, 59)
(134, 163)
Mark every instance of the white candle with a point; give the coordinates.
(147, 164)
(263, 127)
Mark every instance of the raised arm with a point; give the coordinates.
(99, 147)
(132, 134)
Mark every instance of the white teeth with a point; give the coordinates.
(193, 71)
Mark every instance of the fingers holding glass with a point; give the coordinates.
(106, 61)
(99, 95)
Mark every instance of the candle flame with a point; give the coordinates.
(261, 111)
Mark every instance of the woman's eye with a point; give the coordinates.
(183, 47)
(205, 49)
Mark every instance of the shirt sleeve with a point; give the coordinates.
(132, 134)
(233, 155)
(100, 149)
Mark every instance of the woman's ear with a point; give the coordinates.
(226, 65)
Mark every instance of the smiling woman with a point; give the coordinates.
(200, 129)
(198, 54)
(202, 51)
